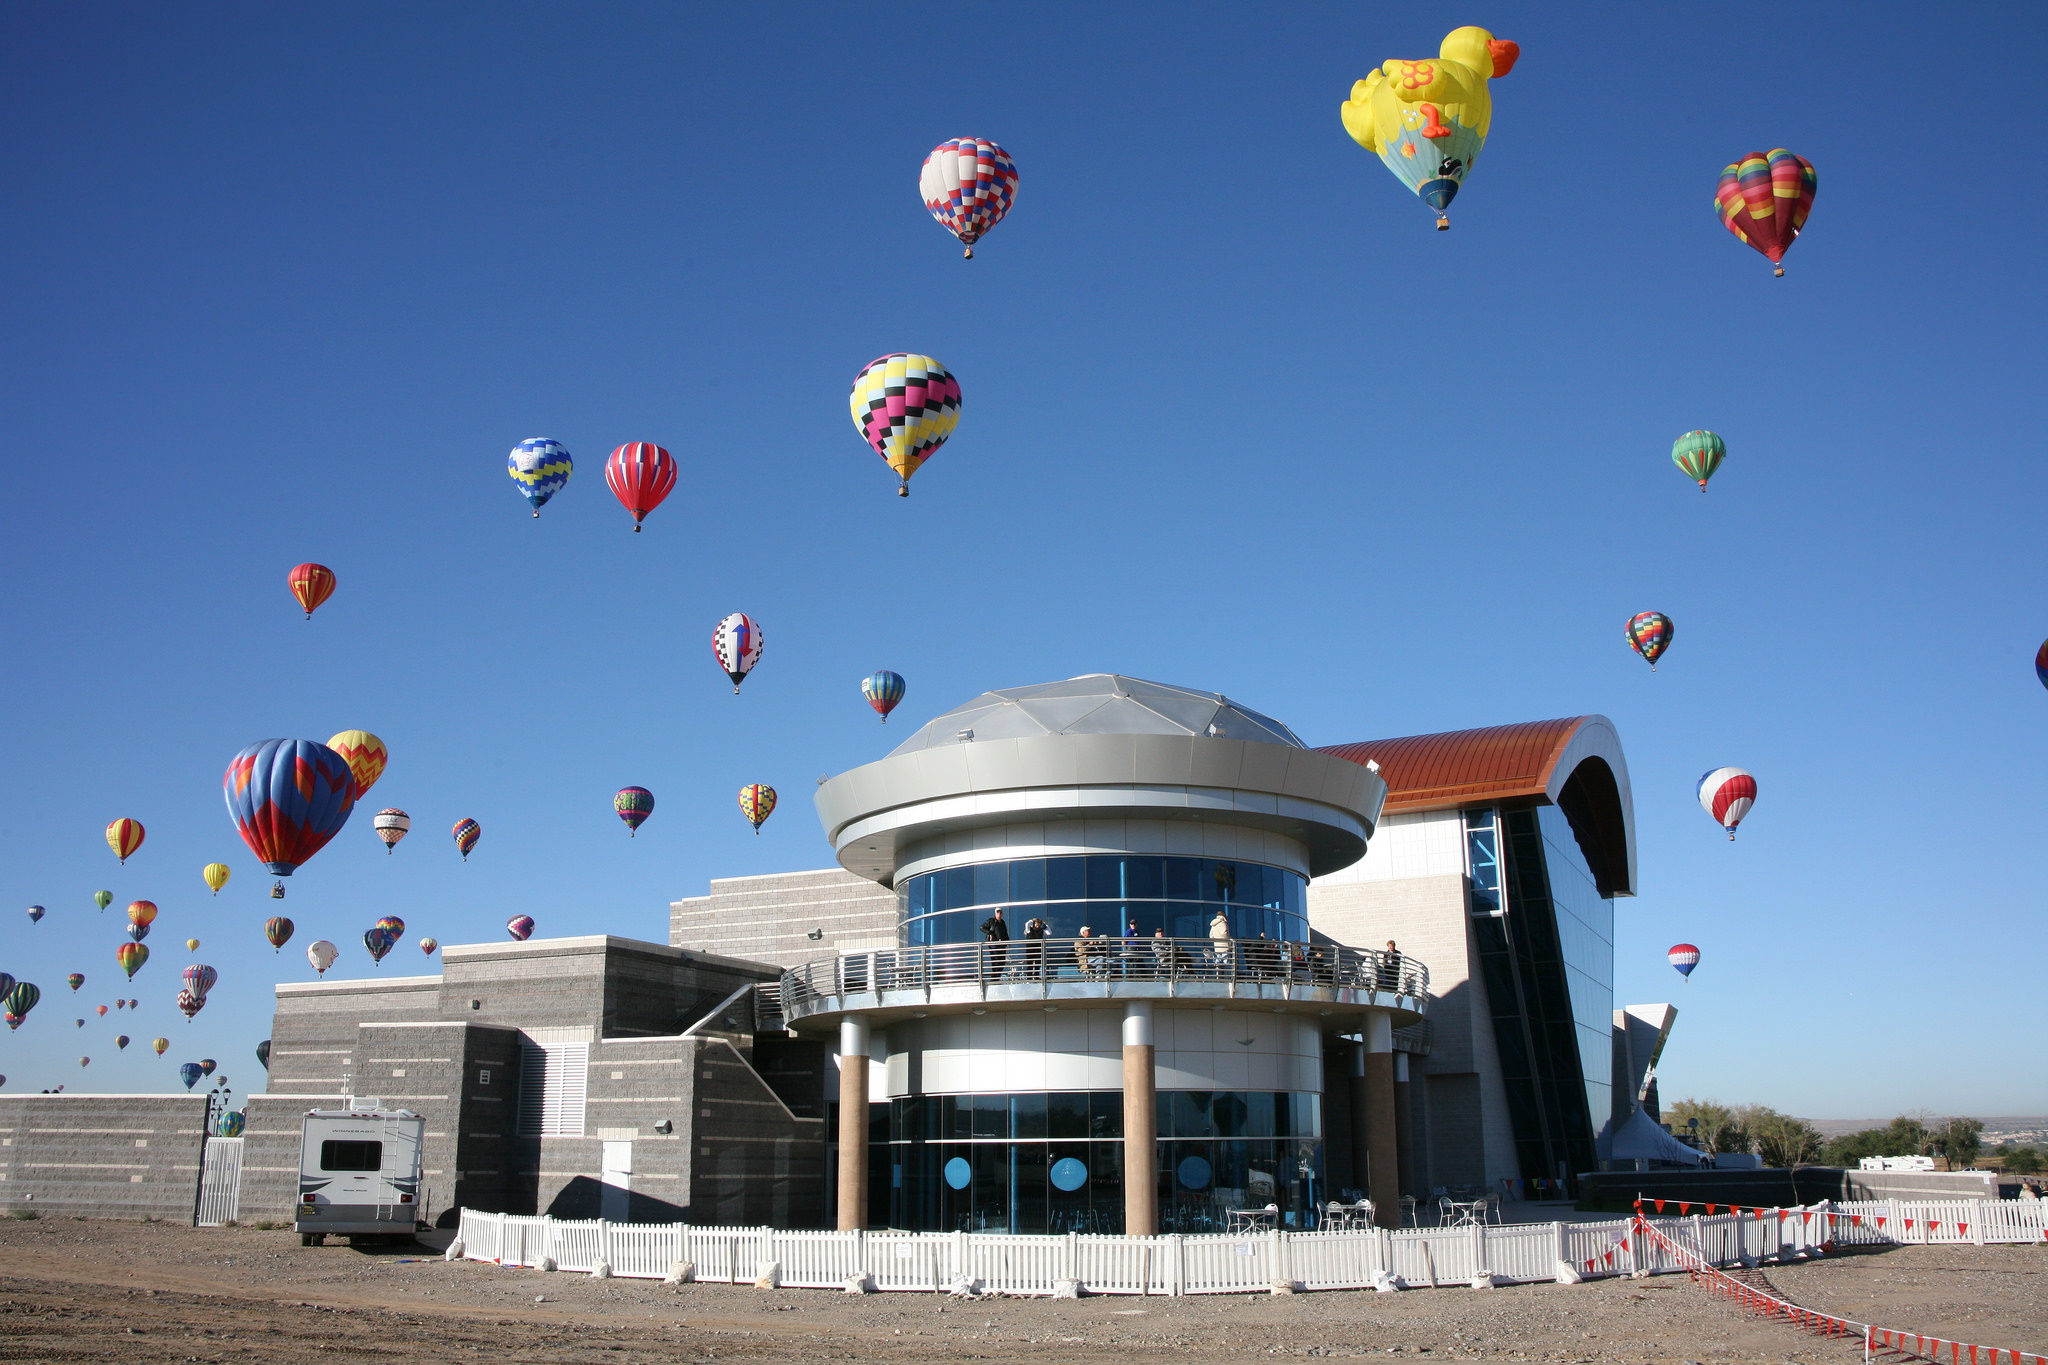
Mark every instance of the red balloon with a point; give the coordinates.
(640, 474)
(312, 584)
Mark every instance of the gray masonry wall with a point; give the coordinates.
(770, 919)
(101, 1156)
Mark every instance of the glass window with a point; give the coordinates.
(991, 1116)
(1067, 1114)
(1105, 878)
(1027, 879)
(1027, 1116)
(1184, 879)
(351, 1156)
(1229, 1113)
(959, 887)
(1144, 878)
(1258, 1113)
(1105, 1113)
(1190, 1114)
(1220, 883)
(991, 883)
(1066, 879)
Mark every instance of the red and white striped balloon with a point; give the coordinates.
(1727, 794)
(1684, 957)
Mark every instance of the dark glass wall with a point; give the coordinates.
(1109, 893)
(1545, 939)
(1054, 1162)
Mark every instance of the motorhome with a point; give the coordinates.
(359, 1174)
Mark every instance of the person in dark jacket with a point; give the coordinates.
(1390, 969)
(1035, 931)
(997, 933)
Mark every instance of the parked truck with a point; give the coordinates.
(359, 1175)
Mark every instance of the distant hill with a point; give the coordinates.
(1834, 1128)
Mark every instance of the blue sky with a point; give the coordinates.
(285, 284)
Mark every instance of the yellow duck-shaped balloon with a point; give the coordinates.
(1428, 119)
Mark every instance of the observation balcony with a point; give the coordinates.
(890, 984)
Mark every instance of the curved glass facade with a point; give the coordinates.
(1053, 1162)
(1109, 893)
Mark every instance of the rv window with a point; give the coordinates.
(351, 1156)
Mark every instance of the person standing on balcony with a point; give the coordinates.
(1162, 954)
(1086, 951)
(1219, 942)
(997, 934)
(1390, 969)
(1035, 930)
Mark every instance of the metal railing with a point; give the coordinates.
(1106, 961)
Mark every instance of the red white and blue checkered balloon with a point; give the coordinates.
(1727, 794)
(968, 183)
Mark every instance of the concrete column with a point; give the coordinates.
(1141, 1123)
(1361, 1119)
(853, 1123)
(1383, 1171)
(1404, 1123)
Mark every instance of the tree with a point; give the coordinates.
(1905, 1135)
(2020, 1160)
(1782, 1140)
(1718, 1130)
(1958, 1139)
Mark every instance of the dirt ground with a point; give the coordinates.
(72, 1290)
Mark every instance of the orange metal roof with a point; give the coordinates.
(1464, 767)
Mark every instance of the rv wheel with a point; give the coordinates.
(312, 1239)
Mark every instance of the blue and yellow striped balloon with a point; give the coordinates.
(540, 467)
(883, 690)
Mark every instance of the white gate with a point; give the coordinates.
(617, 1175)
(220, 1182)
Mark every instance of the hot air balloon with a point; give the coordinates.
(1727, 794)
(1427, 120)
(21, 998)
(142, 912)
(103, 899)
(215, 875)
(85, 1061)
(905, 406)
(263, 1053)
(207, 1066)
(634, 805)
(102, 1011)
(1684, 957)
(640, 474)
(189, 1073)
(120, 1004)
(365, 755)
(427, 945)
(131, 956)
(391, 824)
(79, 1022)
(2040, 671)
(378, 941)
(191, 945)
(321, 954)
(312, 584)
(278, 930)
(883, 690)
(138, 932)
(1649, 634)
(520, 927)
(466, 833)
(1699, 454)
(968, 183)
(35, 914)
(134, 1004)
(541, 467)
(121, 1041)
(190, 1004)
(736, 643)
(757, 803)
(124, 836)
(392, 925)
(199, 979)
(1764, 199)
(158, 1045)
(288, 797)
(75, 980)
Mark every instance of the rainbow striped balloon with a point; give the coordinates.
(466, 833)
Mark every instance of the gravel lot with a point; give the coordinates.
(104, 1291)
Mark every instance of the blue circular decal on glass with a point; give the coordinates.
(958, 1173)
(1069, 1174)
(1194, 1173)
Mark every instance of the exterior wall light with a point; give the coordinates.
(664, 1127)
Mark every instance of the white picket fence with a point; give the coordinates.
(1514, 1253)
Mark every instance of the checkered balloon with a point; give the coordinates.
(968, 183)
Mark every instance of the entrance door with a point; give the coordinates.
(618, 1181)
(220, 1181)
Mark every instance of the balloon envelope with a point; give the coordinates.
(312, 584)
(736, 643)
(138, 932)
(21, 998)
(103, 899)
(1764, 199)
(1727, 794)
(158, 1045)
(520, 927)
(640, 474)
(968, 184)
(365, 755)
(1684, 957)
(1427, 120)
(321, 954)
(121, 1041)
(1649, 634)
(378, 941)
(278, 930)
(35, 914)
(757, 803)
(189, 1073)
(2040, 671)
(883, 690)
(634, 805)
(124, 837)
(904, 406)
(427, 945)
(1699, 454)
(466, 833)
(142, 912)
(131, 956)
(190, 1004)
(288, 797)
(391, 825)
(199, 979)
(215, 875)
(541, 467)
(263, 1053)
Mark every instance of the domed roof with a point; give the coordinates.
(1097, 704)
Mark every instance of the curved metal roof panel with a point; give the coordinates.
(1098, 704)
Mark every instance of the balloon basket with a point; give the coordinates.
(277, 891)
(968, 254)
(903, 490)
(1443, 223)
(1779, 272)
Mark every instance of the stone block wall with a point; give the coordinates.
(770, 919)
(102, 1156)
